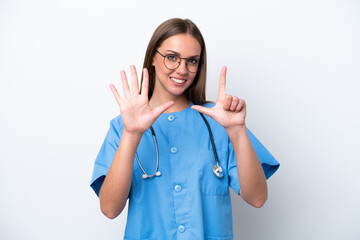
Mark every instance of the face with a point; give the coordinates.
(174, 82)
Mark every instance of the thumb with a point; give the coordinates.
(160, 109)
(204, 110)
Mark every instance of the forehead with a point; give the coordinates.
(184, 44)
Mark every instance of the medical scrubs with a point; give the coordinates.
(187, 201)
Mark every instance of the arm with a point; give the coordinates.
(116, 186)
(230, 112)
(137, 117)
(251, 175)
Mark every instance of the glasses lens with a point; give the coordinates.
(172, 61)
(193, 65)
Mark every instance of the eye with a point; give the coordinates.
(193, 61)
(172, 58)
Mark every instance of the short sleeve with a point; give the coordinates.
(268, 162)
(106, 155)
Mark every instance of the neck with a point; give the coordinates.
(180, 103)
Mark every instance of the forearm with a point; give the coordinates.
(251, 175)
(116, 186)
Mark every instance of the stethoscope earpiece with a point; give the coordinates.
(157, 174)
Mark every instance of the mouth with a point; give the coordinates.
(178, 80)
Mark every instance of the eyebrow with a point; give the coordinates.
(172, 51)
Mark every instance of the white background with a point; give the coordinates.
(296, 63)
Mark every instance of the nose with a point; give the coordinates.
(182, 69)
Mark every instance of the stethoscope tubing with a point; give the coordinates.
(216, 167)
(211, 138)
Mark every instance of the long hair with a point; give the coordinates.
(196, 92)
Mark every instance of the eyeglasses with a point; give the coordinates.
(172, 61)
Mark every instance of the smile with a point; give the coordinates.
(177, 80)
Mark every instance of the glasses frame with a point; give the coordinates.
(186, 62)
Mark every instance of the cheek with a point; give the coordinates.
(158, 65)
(192, 76)
(161, 70)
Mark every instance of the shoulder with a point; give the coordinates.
(116, 124)
(209, 104)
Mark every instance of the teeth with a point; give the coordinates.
(178, 80)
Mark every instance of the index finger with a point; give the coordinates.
(222, 82)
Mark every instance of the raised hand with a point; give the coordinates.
(136, 113)
(229, 111)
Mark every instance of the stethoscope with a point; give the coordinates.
(215, 167)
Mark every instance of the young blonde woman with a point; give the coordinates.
(173, 154)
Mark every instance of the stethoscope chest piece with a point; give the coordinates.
(217, 170)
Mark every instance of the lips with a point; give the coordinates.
(178, 80)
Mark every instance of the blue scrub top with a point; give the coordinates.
(187, 201)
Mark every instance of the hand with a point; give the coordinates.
(136, 113)
(228, 111)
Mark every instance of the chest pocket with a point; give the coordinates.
(209, 183)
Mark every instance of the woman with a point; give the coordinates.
(173, 154)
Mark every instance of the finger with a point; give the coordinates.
(125, 84)
(204, 110)
(162, 108)
(234, 103)
(241, 105)
(227, 102)
(222, 83)
(145, 83)
(134, 81)
(116, 94)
